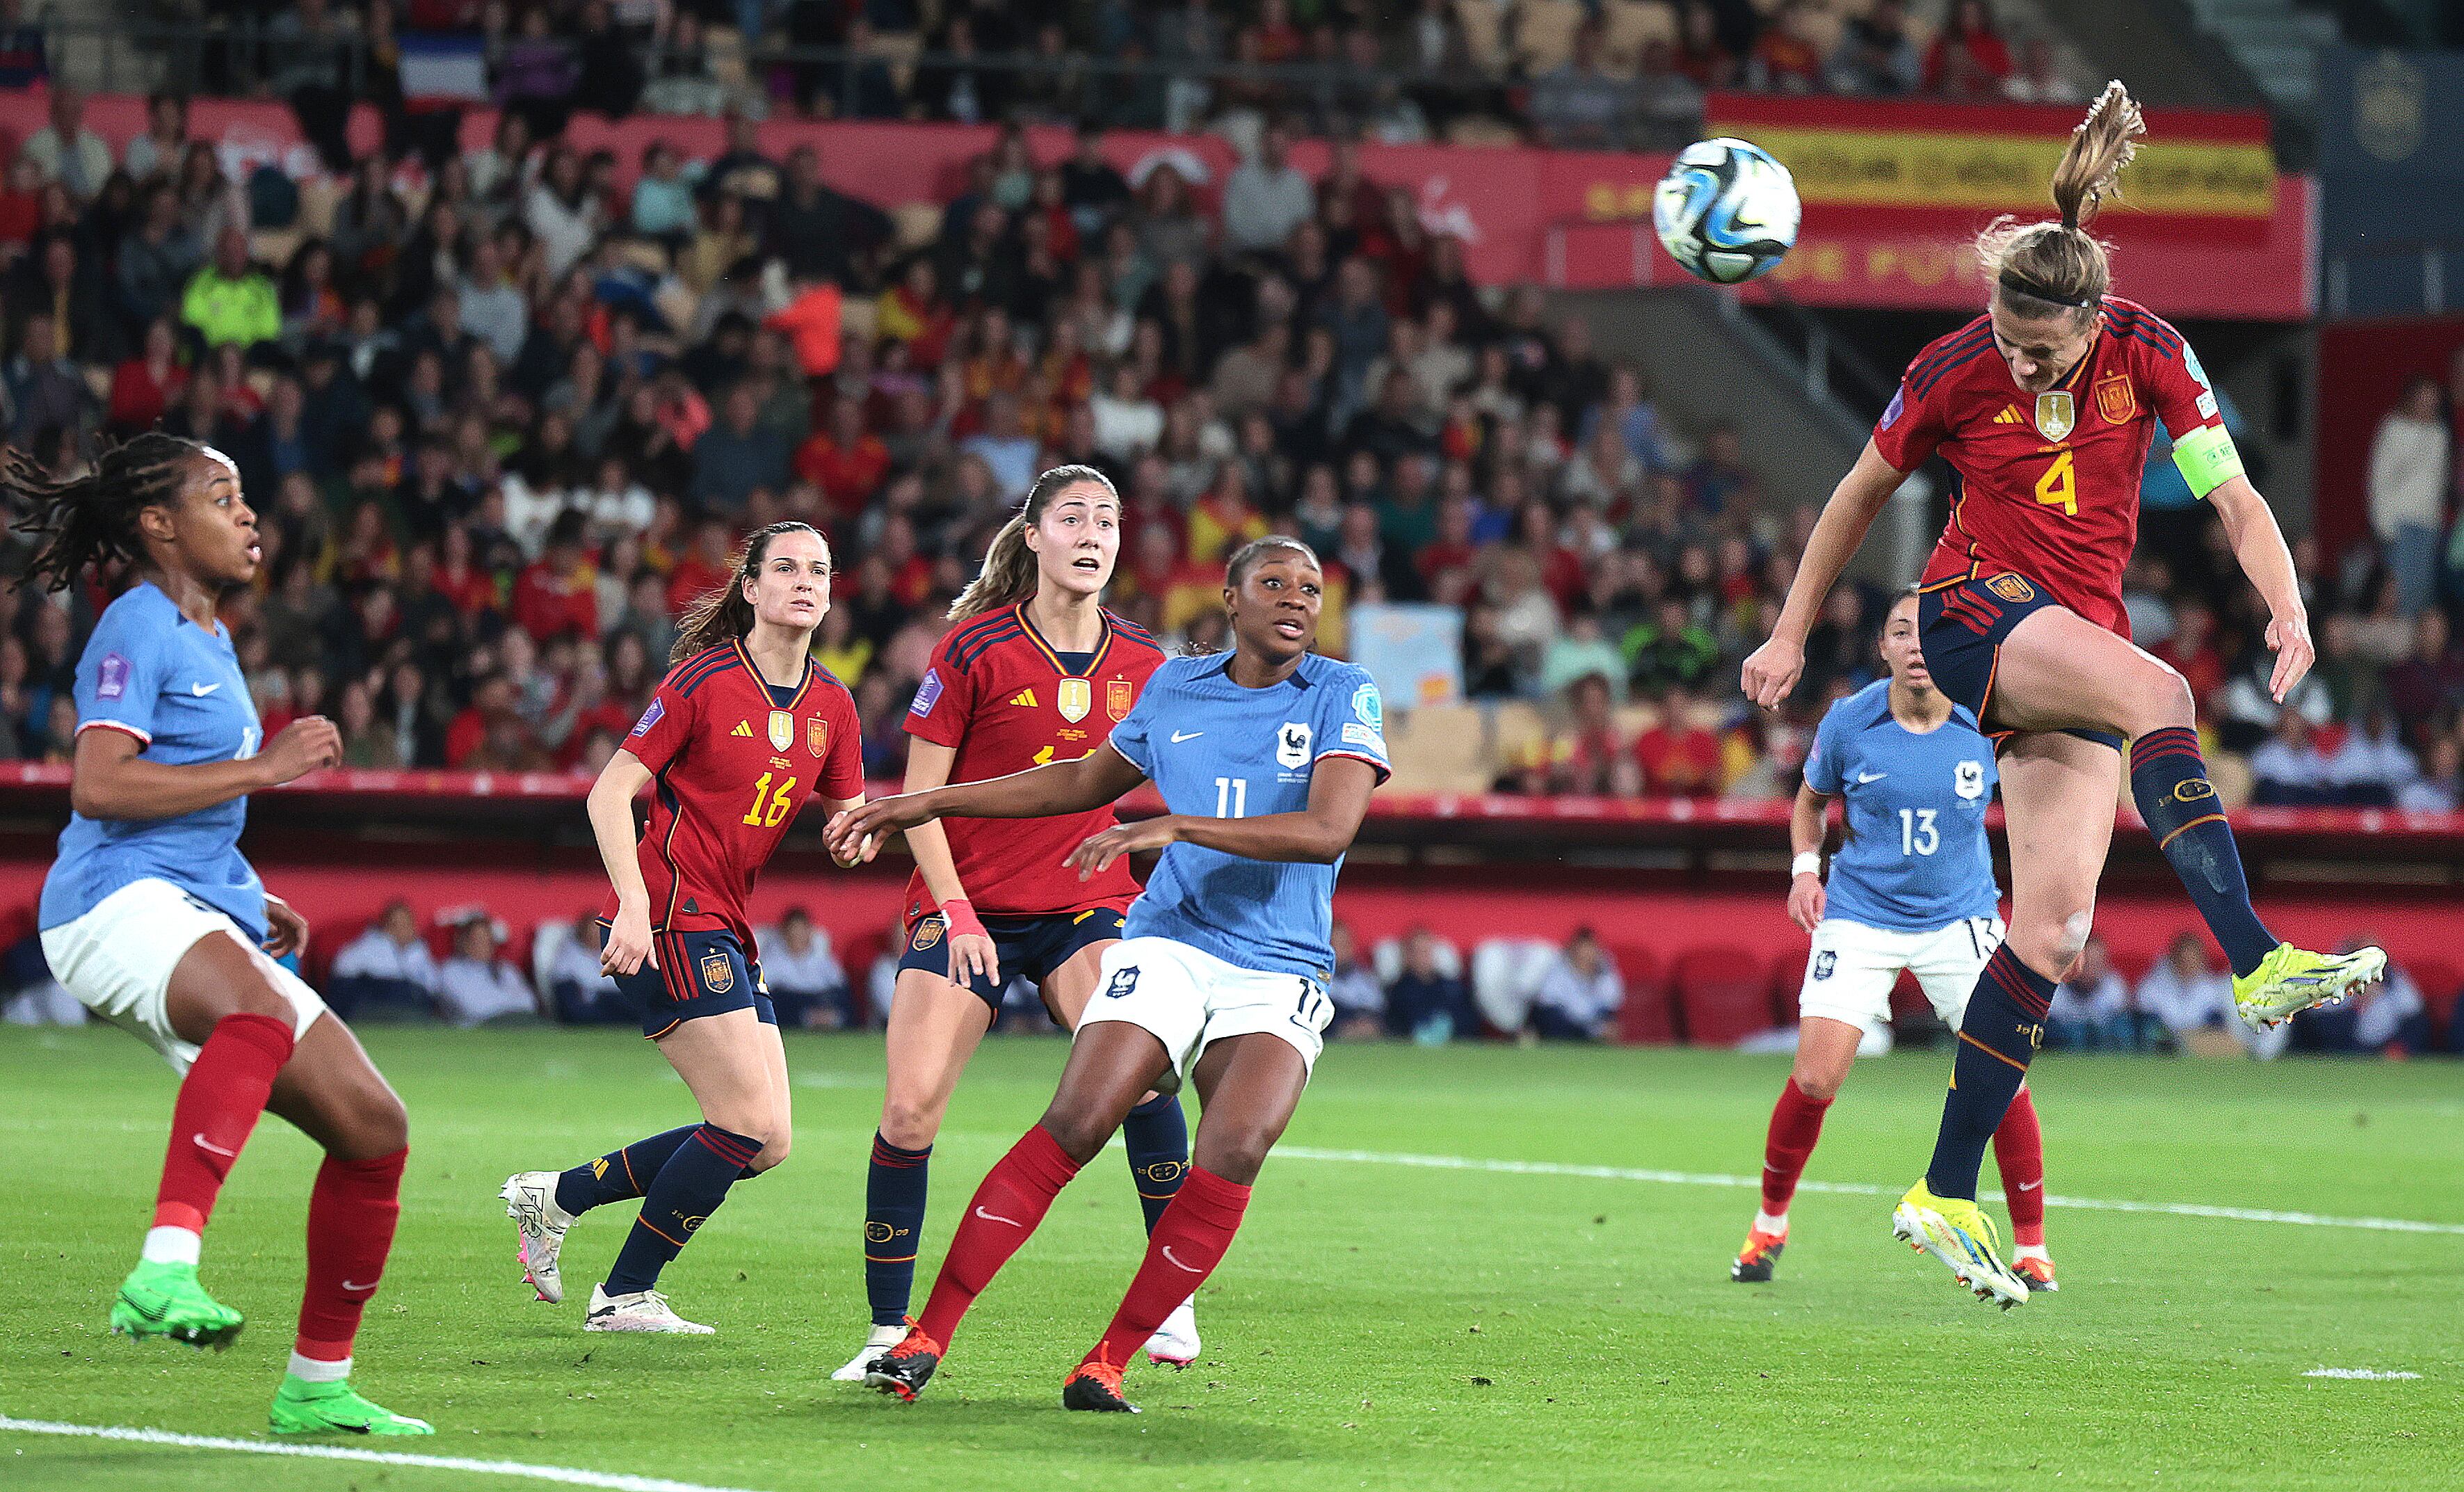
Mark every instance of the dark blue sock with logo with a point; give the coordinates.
(1156, 1135)
(620, 1174)
(2168, 780)
(1998, 1037)
(682, 1197)
(893, 1225)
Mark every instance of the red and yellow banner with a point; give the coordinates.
(1995, 158)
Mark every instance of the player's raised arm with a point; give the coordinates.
(1041, 792)
(1318, 835)
(1773, 670)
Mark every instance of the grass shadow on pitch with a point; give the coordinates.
(1173, 1429)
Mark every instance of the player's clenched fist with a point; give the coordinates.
(1772, 672)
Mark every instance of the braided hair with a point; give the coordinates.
(90, 521)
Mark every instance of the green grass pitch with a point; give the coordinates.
(1378, 1325)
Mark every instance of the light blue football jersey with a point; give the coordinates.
(1216, 750)
(153, 673)
(1916, 858)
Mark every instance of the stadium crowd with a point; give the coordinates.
(1571, 73)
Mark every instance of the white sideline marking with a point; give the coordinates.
(1545, 1168)
(617, 1481)
(2373, 1374)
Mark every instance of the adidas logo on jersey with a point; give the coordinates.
(742, 728)
(2009, 415)
(1025, 699)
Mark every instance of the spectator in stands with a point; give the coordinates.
(2407, 488)
(231, 300)
(1785, 59)
(46, 391)
(2039, 78)
(1576, 105)
(1702, 58)
(1359, 1001)
(22, 60)
(476, 984)
(67, 152)
(2427, 685)
(2371, 768)
(2091, 1010)
(385, 972)
(806, 980)
(1968, 59)
(2188, 994)
(1423, 1003)
(1875, 55)
(2440, 786)
(2388, 1018)
(1267, 196)
(2290, 769)
(1579, 997)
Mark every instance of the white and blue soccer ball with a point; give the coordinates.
(1726, 211)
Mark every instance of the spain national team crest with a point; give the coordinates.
(1118, 696)
(927, 934)
(717, 973)
(817, 737)
(782, 729)
(2055, 413)
(2116, 400)
(1075, 697)
(2011, 588)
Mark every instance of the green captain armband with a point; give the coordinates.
(2207, 459)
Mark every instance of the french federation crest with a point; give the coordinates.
(717, 973)
(817, 737)
(783, 730)
(2057, 415)
(1074, 698)
(2116, 400)
(1292, 745)
(1118, 695)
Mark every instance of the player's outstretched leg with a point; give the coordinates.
(1157, 1136)
(2019, 1154)
(545, 1203)
(225, 1089)
(335, 1096)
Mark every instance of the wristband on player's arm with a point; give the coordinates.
(1808, 862)
(2207, 459)
(958, 920)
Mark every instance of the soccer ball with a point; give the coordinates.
(1726, 211)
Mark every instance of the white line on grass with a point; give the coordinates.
(2373, 1374)
(617, 1481)
(1545, 1168)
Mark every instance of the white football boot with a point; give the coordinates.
(643, 1310)
(530, 1200)
(1174, 1342)
(880, 1341)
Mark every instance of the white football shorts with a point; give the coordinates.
(1851, 968)
(117, 959)
(1190, 999)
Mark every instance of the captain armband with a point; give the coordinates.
(2207, 459)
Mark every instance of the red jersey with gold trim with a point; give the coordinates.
(1005, 700)
(2047, 484)
(730, 759)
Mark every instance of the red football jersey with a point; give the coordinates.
(729, 765)
(2047, 484)
(999, 695)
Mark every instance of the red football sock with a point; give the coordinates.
(2020, 1150)
(217, 1111)
(1795, 1123)
(351, 1218)
(1001, 1216)
(1188, 1242)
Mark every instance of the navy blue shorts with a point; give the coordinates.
(1960, 625)
(1032, 947)
(701, 972)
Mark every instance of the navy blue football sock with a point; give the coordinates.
(2168, 780)
(893, 1225)
(620, 1174)
(1998, 1037)
(686, 1190)
(1156, 1135)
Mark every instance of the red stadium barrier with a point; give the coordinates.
(1723, 994)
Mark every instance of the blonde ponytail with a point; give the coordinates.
(1010, 573)
(2055, 269)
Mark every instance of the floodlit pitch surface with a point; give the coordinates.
(1389, 1318)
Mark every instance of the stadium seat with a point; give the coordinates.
(1787, 980)
(1514, 729)
(1722, 995)
(1440, 748)
(1506, 973)
(2439, 984)
(1645, 1017)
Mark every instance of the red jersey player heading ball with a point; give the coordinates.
(2044, 407)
